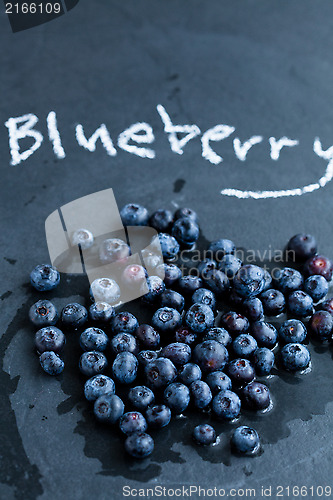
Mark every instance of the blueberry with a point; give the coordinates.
(204, 296)
(263, 361)
(145, 357)
(105, 290)
(169, 246)
(217, 281)
(219, 334)
(97, 386)
(123, 342)
(139, 445)
(51, 363)
(199, 318)
(204, 434)
(256, 396)
(240, 371)
(302, 246)
(268, 280)
(265, 334)
(125, 367)
(234, 323)
(170, 298)
(186, 212)
(218, 381)
(166, 319)
(300, 303)
(220, 248)
(133, 214)
(44, 277)
(161, 220)
(133, 276)
(249, 281)
(292, 330)
(188, 373)
(93, 339)
(160, 372)
(295, 357)
(226, 405)
(49, 338)
(244, 345)
(327, 305)
(210, 355)
(43, 313)
(201, 394)
(288, 280)
(230, 265)
(170, 273)
(186, 231)
(92, 362)
(316, 286)
(113, 250)
(108, 408)
(273, 302)
(205, 266)
(148, 336)
(132, 421)
(124, 322)
(318, 264)
(177, 397)
(178, 353)
(101, 312)
(245, 440)
(253, 309)
(74, 315)
(140, 397)
(189, 284)
(185, 335)
(158, 416)
(321, 325)
(235, 300)
(83, 237)
(156, 287)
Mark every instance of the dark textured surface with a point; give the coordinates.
(265, 68)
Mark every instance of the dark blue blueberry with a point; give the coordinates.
(133, 214)
(235, 300)
(220, 248)
(219, 334)
(234, 323)
(288, 280)
(218, 381)
(108, 408)
(97, 386)
(318, 264)
(161, 220)
(158, 416)
(170, 273)
(204, 434)
(199, 318)
(245, 440)
(74, 315)
(43, 313)
(44, 277)
(210, 356)
(186, 231)
(321, 325)
(188, 373)
(249, 281)
(177, 397)
(101, 312)
(273, 302)
(124, 322)
(166, 319)
(263, 361)
(240, 371)
(148, 336)
(169, 246)
(327, 305)
(301, 247)
(300, 303)
(201, 395)
(230, 265)
(160, 372)
(268, 280)
(145, 357)
(156, 287)
(265, 333)
(140, 397)
(186, 212)
(170, 298)
(92, 362)
(189, 284)
(125, 368)
(256, 396)
(132, 421)
(292, 330)
(226, 405)
(179, 353)
(185, 335)
(316, 286)
(123, 342)
(49, 338)
(205, 266)
(51, 363)
(139, 445)
(204, 296)
(93, 339)
(244, 345)
(295, 357)
(253, 309)
(217, 281)
(113, 250)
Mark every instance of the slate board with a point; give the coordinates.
(265, 69)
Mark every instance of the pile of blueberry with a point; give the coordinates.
(193, 354)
